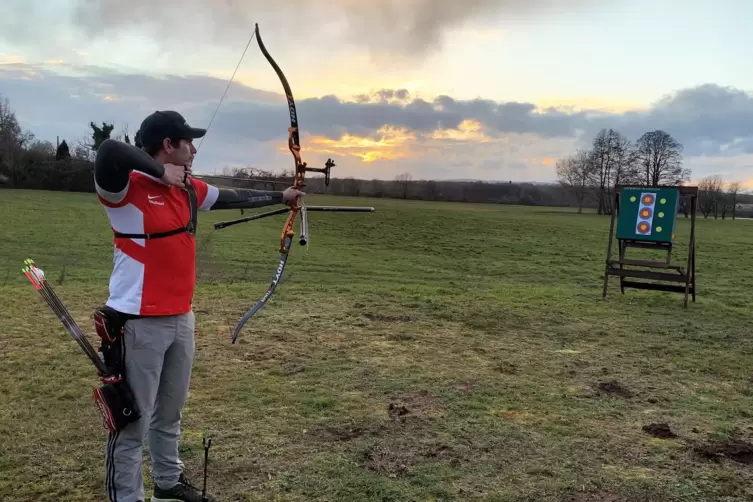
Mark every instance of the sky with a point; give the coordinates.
(440, 89)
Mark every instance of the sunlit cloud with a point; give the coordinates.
(8, 59)
(390, 145)
(400, 95)
(468, 130)
(541, 161)
(579, 104)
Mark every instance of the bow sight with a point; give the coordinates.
(326, 170)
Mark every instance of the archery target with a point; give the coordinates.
(645, 214)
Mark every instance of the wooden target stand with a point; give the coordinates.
(646, 218)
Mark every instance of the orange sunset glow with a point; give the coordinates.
(390, 145)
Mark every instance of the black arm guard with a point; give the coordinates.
(244, 198)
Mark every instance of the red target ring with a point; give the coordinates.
(643, 227)
(645, 213)
(648, 199)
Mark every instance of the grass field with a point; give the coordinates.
(424, 352)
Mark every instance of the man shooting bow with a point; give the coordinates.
(151, 204)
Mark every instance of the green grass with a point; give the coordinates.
(482, 325)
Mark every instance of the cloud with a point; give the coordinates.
(380, 134)
(708, 119)
(411, 28)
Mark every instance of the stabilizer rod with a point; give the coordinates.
(339, 209)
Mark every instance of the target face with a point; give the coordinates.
(647, 213)
(645, 219)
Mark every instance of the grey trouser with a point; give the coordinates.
(159, 354)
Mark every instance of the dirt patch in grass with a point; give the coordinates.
(463, 387)
(507, 368)
(396, 455)
(442, 452)
(614, 388)
(387, 318)
(397, 411)
(661, 430)
(733, 449)
(330, 433)
(387, 461)
(413, 404)
(400, 337)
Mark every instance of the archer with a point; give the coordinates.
(151, 203)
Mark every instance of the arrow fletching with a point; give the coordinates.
(38, 280)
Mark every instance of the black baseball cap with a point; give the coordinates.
(166, 124)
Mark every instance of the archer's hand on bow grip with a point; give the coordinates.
(292, 196)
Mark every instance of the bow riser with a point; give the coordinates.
(287, 231)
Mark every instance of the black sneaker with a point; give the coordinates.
(184, 491)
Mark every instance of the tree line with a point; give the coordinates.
(586, 179)
(28, 162)
(590, 175)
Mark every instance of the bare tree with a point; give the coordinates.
(659, 157)
(613, 162)
(575, 173)
(404, 180)
(124, 136)
(12, 138)
(730, 199)
(710, 194)
(41, 149)
(626, 169)
(601, 160)
(82, 150)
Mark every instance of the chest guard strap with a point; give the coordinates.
(190, 227)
